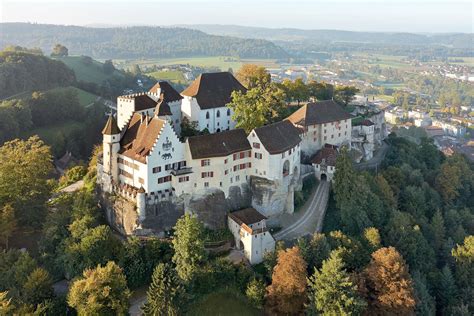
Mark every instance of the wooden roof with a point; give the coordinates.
(328, 153)
(278, 137)
(213, 90)
(111, 127)
(247, 216)
(169, 93)
(219, 144)
(140, 136)
(318, 113)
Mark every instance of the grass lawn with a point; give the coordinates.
(222, 62)
(49, 134)
(174, 76)
(85, 98)
(224, 302)
(87, 72)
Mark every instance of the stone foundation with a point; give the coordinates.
(271, 197)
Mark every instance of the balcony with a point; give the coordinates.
(182, 171)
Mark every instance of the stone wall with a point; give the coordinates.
(272, 197)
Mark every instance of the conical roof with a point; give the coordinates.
(111, 127)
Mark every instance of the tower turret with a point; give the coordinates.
(110, 147)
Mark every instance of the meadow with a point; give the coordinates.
(92, 72)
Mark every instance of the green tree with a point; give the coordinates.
(188, 246)
(165, 294)
(258, 106)
(332, 292)
(438, 229)
(100, 291)
(108, 67)
(447, 290)
(372, 238)
(7, 223)
(425, 304)
(38, 287)
(295, 90)
(25, 168)
(59, 51)
(464, 257)
(315, 250)
(320, 90)
(345, 94)
(255, 293)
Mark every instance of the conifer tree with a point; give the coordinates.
(188, 246)
(439, 231)
(287, 293)
(425, 304)
(389, 283)
(331, 290)
(165, 294)
(446, 289)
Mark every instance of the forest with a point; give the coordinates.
(135, 42)
(398, 241)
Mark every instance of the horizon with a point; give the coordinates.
(420, 16)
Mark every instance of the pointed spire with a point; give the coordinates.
(162, 108)
(111, 127)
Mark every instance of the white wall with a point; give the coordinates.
(214, 123)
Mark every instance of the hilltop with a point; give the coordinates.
(135, 42)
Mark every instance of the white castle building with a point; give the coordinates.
(144, 161)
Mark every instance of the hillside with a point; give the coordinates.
(460, 40)
(88, 70)
(135, 42)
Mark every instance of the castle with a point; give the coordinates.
(146, 166)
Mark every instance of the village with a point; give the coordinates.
(150, 176)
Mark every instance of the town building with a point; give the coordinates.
(324, 162)
(204, 101)
(251, 234)
(323, 122)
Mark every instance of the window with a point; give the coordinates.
(125, 173)
(183, 179)
(237, 178)
(218, 114)
(225, 160)
(256, 145)
(258, 155)
(207, 115)
(208, 174)
(120, 160)
(332, 136)
(324, 131)
(164, 179)
(220, 184)
(156, 169)
(325, 137)
(169, 166)
(226, 172)
(339, 135)
(205, 162)
(228, 114)
(206, 184)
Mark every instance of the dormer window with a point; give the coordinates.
(218, 114)
(228, 112)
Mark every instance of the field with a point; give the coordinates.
(50, 134)
(223, 303)
(85, 98)
(173, 76)
(385, 61)
(222, 62)
(466, 61)
(87, 72)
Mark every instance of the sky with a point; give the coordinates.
(418, 16)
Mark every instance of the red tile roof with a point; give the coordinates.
(328, 153)
(111, 126)
(247, 216)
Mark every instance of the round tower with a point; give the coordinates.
(141, 205)
(110, 147)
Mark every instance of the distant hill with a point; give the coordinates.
(135, 42)
(459, 40)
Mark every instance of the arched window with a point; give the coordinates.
(218, 114)
(207, 115)
(228, 112)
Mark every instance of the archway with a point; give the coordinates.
(241, 245)
(218, 130)
(286, 168)
(324, 177)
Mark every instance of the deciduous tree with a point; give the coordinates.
(287, 293)
(100, 291)
(255, 293)
(38, 287)
(389, 284)
(251, 76)
(7, 223)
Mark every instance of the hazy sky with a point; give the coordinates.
(358, 15)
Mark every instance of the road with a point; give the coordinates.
(312, 220)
